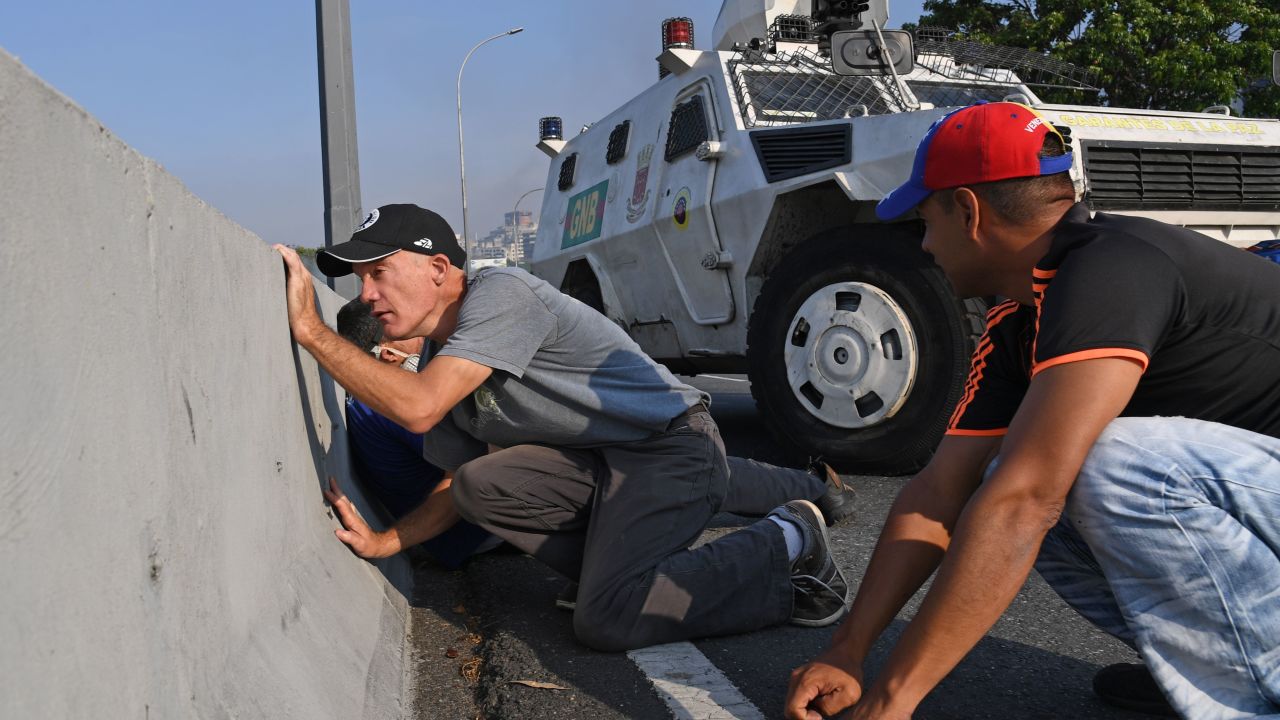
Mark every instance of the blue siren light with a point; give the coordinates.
(551, 128)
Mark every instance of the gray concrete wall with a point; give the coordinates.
(165, 550)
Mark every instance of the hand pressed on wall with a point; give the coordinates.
(363, 540)
(300, 294)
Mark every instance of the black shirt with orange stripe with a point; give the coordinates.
(1201, 317)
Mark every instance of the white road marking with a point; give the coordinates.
(692, 686)
(721, 377)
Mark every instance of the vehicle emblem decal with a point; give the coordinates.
(640, 189)
(584, 216)
(680, 208)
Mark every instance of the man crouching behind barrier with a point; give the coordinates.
(612, 468)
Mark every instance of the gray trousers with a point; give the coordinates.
(620, 519)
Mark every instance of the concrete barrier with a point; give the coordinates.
(165, 551)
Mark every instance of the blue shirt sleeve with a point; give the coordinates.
(389, 458)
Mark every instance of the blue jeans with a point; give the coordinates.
(1170, 540)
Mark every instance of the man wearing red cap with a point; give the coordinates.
(1118, 432)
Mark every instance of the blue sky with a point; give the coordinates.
(223, 94)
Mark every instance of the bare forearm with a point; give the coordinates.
(390, 391)
(426, 521)
(999, 534)
(991, 554)
(915, 537)
(912, 543)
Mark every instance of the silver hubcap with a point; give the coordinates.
(851, 355)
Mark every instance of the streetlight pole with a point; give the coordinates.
(462, 162)
(515, 214)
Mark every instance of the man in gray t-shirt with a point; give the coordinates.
(567, 375)
(609, 468)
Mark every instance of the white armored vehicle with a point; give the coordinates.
(724, 217)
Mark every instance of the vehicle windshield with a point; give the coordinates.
(959, 94)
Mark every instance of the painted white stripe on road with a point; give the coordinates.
(721, 377)
(692, 686)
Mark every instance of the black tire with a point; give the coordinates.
(945, 328)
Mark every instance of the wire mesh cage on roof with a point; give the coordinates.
(792, 28)
(939, 50)
(797, 86)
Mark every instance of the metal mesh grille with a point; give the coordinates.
(1154, 177)
(798, 86)
(567, 168)
(937, 50)
(687, 129)
(792, 28)
(617, 148)
(791, 152)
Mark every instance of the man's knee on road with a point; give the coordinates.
(599, 629)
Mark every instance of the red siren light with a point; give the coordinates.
(677, 32)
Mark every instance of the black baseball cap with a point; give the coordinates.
(389, 229)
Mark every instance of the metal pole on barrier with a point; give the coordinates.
(339, 158)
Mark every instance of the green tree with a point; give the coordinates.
(1172, 55)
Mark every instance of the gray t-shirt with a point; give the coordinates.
(563, 374)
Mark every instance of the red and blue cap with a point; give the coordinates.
(976, 144)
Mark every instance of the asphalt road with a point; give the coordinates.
(479, 635)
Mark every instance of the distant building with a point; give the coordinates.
(525, 217)
(511, 242)
(520, 231)
(487, 253)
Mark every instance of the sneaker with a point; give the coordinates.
(821, 594)
(1130, 686)
(836, 503)
(567, 598)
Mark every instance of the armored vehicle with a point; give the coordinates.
(725, 216)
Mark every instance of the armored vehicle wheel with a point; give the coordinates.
(857, 349)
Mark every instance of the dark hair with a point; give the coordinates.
(357, 324)
(1021, 200)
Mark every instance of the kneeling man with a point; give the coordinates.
(610, 468)
(1118, 432)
